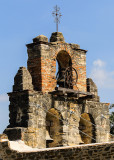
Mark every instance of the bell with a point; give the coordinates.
(61, 75)
(48, 138)
(80, 140)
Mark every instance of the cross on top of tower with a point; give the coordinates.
(56, 13)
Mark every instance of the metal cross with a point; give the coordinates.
(57, 16)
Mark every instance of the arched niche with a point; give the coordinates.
(87, 126)
(63, 61)
(54, 128)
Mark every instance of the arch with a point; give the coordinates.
(87, 125)
(64, 61)
(54, 128)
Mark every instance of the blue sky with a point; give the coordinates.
(87, 23)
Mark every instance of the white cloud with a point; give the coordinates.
(101, 76)
(99, 63)
(4, 98)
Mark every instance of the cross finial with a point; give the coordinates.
(57, 16)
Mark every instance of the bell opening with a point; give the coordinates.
(64, 70)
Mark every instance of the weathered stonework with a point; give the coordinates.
(22, 80)
(42, 118)
(99, 151)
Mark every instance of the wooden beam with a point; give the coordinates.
(67, 90)
(86, 97)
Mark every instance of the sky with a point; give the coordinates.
(89, 23)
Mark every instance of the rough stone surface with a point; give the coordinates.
(40, 38)
(22, 80)
(103, 151)
(33, 110)
(57, 37)
(42, 119)
(92, 88)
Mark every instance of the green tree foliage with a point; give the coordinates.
(112, 120)
(111, 106)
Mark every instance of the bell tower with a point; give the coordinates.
(49, 109)
(42, 57)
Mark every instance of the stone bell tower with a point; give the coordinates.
(49, 109)
(42, 57)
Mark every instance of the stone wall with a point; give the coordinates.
(92, 88)
(111, 137)
(22, 80)
(101, 151)
(30, 111)
(65, 116)
(100, 114)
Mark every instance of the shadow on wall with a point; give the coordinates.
(86, 125)
(54, 128)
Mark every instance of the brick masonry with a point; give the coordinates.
(42, 56)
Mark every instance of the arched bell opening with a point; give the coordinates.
(87, 128)
(54, 128)
(64, 70)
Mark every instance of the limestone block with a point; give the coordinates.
(91, 87)
(57, 36)
(40, 38)
(22, 80)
